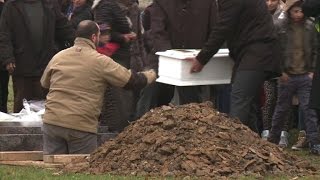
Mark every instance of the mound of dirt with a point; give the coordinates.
(190, 140)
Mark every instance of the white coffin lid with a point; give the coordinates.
(187, 53)
(198, 78)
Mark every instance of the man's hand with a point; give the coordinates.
(196, 66)
(10, 67)
(130, 37)
(151, 75)
(284, 78)
(310, 75)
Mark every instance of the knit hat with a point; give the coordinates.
(290, 3)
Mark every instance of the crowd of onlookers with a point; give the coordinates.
(298, 39)
(279, 50)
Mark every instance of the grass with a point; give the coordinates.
(31, 173)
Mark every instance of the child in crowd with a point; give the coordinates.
(298, 38)
(275, 8)
(105, 47)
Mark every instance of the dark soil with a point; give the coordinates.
(190, 140)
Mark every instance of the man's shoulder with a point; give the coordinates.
(94, 55)
(85, 52)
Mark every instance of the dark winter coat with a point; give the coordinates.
(285, 33)
(80, 14)
(248, 29)
(137, 50)
(109, 12)
(15, 46)
(312, 8)
(146, 23)
(1, 6)
(181, 24)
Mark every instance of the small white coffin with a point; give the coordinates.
(175, 70)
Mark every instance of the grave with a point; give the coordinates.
(15, 136)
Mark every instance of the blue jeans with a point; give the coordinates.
(300, 85)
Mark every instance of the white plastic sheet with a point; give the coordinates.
(31, 113)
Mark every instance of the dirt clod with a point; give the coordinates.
(187, 141)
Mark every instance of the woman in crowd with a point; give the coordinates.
(118, 104)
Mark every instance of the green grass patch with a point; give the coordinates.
(31, 173)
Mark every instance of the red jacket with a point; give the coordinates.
(108, 49)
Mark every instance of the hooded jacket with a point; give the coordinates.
(310, 44)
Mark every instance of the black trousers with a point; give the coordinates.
(28, 88)
(4, 82)
(189, 94)
(154, 95)
(245, 92)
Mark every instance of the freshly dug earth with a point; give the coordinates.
(190, 140)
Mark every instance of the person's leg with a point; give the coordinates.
(223, 98)
(245, 88)
(4, 82)
(255, 115)
(270, 103)
(152, 96)
(38, 92)
(28, 88)
(164, 94)
(301, 124)
(302, 137)
(80, 142)
(189, 94)
(318, 114)
(53, 140)
(21, 87)
(146, 100)
(286, 91)
(117, 109)
(311, 120)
